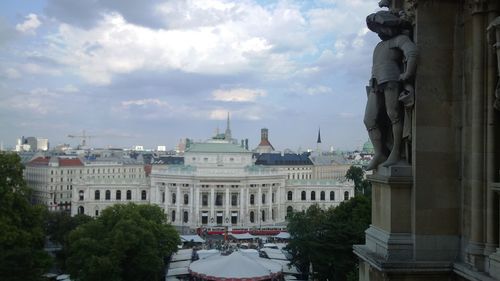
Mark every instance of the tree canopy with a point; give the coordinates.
(324, 239)
(21, 225)
(357, 175)
(126, 242)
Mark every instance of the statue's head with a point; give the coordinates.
(385, 24)
(384, 3)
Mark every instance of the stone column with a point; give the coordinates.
(227, 204)
(476, 243)
(178, 199)
(491, 147)
(259, 205)
(212, 207)
(270, 209)
(191, 206)
(242, 203)
(197, 203)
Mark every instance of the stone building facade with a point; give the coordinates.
(438, 219)
(219, 185)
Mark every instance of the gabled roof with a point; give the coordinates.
(66, 162)
(41, 161)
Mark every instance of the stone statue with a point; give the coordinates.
(494, 39)
(394, 66)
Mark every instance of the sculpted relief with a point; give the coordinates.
(390, 90)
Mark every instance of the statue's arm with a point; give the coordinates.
(410, 53)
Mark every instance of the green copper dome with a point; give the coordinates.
(368, 147)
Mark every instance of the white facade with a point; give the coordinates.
(57, 181)
(219, 185)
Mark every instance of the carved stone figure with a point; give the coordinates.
(394, 66)
(494, 39)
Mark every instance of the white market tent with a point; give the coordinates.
(274, 254)
(288, 269)
(182, 255)
(237, 267)
(202, 254)
(250, 252)
(283, 235)
(243, 236)
(194, 238)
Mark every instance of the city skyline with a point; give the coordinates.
(154, 73)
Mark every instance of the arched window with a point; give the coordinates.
(263, 198)
(118, 195)
(143, 195)
(163, 197)
(107, 195)
(313, 195)
(173, 198)
(80, 195)
(263, 215)
(97, 195)
(204, 200)
(186, 199)
(129, 195)
(303, 196)
(81, 210)
(346, 195)
(96, 212)
(218, 199)
(234, 199)
(173, 216)
(185, 216)
(332, 195)
(289, 211)
(290, 196)
(252, 216)
(252, 199)
(322, 196)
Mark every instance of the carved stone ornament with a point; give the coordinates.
(494, 40)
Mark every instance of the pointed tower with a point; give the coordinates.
(227, 135)
(318, 142)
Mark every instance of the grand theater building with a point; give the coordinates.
(219, 185)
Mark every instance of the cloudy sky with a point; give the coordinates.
(154, 71)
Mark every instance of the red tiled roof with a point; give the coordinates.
(264, 142)
(70, 162)
(40, 161)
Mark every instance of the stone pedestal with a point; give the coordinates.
(389, 250)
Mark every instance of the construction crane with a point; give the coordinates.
(85, 138)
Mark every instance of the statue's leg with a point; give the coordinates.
(373, 106)
(393, 107)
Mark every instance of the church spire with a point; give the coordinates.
(227, 135)
(319, 136)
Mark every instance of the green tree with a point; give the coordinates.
(361, 185)
(58, 225)
(21, 225)
(324, 239)
(126, 242)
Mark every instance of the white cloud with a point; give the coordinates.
(218, 114)
(318, 90)
(144, 103)
(29, 25)
(69, 88)
(33, 68)
(238, 95)
(11, 73)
